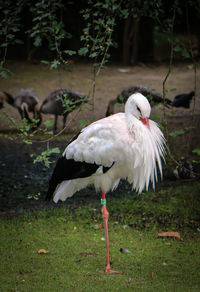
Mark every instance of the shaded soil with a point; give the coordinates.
(21, 178)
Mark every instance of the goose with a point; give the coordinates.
(25, 101)
(61, 102)
(152, 96)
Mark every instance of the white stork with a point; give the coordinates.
(125, 145)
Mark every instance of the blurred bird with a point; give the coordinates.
(183, 100)
(61, 102)
(6, 97)
(25, 101)
(152, 96)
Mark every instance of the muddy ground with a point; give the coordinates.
(20, 178)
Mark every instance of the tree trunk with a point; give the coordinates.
(130, 41)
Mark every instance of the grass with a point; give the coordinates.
(75, 260)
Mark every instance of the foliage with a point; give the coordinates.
(34, 196)
(70, 103)
(10, 25)
(85, 123)
(97, 35)
(25, 130)
(48, 26)
(4, 72)
(176, 133)
(45, 156)
(138, 9)
(196, 151)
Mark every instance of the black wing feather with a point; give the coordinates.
(68, 169)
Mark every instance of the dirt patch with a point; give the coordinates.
(109, 84)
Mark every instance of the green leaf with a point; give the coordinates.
(4, 45)
(156, 116)
(17, 41)
(27, 141)
(177, 48)
(84, 123)
(196, 151)
(176, 133)
(185, 53)
(45, 62)
(4, 74)
(48, 123)
(69, 52)
(10, 36)
(191, 67)
(121, 98)
(160, 126)
(55, 150)
(118, 105)
(93, 55)
(55, 64)
(90, 102)
(37, 41)
(83, 51)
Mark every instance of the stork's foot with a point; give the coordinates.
(109, 271)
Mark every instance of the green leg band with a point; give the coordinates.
(103, 201)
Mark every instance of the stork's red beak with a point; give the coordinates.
(145, 121)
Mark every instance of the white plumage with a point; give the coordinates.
(125, 143)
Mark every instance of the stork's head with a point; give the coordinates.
(138, 106)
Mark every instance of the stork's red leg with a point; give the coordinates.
(105, 215)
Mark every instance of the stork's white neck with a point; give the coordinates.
(135, 126)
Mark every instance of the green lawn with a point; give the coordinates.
(75, 258)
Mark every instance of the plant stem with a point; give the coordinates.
(169, 68)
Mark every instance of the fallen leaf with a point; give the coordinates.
(41, 251)
(169, 234)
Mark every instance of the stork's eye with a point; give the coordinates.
(138, 109)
